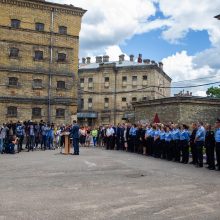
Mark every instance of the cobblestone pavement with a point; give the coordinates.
(102, 184)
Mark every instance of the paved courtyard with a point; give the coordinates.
(102, 184)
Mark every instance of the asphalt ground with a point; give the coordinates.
(100, 184)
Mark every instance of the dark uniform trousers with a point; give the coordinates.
(150, 141)
(217, 145)
(185, 151)
(177, 150)
(199, 150)
(210, 153)
(194, 153)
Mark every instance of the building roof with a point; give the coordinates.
(121, 64)
(125, 63)
(57, 5)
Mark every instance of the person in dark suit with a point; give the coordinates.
(74, 131)
(210, 147)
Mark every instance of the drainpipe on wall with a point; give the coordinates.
(50, 64)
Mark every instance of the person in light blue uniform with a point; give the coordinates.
(184, 143)
(168, 138)
(156, 149)
(217, 142)
(133, 134)
(162, 143)
(149, 136)
(176, 143)
(200, 142)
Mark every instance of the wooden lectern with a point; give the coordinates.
(67, 145)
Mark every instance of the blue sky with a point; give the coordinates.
(153, 46)
(183, 34)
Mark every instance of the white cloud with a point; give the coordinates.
(185, 72)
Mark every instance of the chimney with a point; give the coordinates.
(122, 58)
(153, 62)
(83, 60)
(161, 65)
(140, 58)
(106, 58)
(131, 58)
(88, 60)
(98, 59)
(146, 61)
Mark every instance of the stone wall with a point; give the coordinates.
(179, 110)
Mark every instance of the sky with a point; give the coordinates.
(184, 35)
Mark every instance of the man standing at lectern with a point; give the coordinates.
(74, 131)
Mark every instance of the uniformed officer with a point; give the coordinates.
(217, 142)
(193, 145)
(168, 138)
(176, 143)
(133, 134)
(210, 147)
(184, 143)
(200, 142)
(162, 142)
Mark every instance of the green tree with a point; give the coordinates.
(213, 92)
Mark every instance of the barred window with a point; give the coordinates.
(14, 52)
(12, 111)
(124, 78)
(106, 102)
(13, 81)
(134, 78)
(90, 103)
(36, 112)
(60, 112)
(134, 99)
(123, 99)
(90, 80)
(62, 30)
(37, 83)
(144, 77)
(61, 85)
(39, 26)
(106, 79)
(39, 55)
(61, 57)
(15, 23)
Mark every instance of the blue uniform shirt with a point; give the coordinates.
(133, 131)
(168, 136)
(147, 132)
(184, 135)
(200, 134)
(162, 135)
(176, 134)
(217, 135)
(156, 133)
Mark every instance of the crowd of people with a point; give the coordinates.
(29, 136)
(170, 141)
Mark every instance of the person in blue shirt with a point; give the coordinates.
(184, 143)
(156, 146)
(217, 142)
(133, 134)
(149, 136)
(168, 138)
(200, 142)
(176, 143)
(20, 134)
(162, 142)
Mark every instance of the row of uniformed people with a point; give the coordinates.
(172, 142)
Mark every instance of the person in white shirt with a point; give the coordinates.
(109, 137)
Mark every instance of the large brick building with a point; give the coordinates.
(107, 89)
(38, 60)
